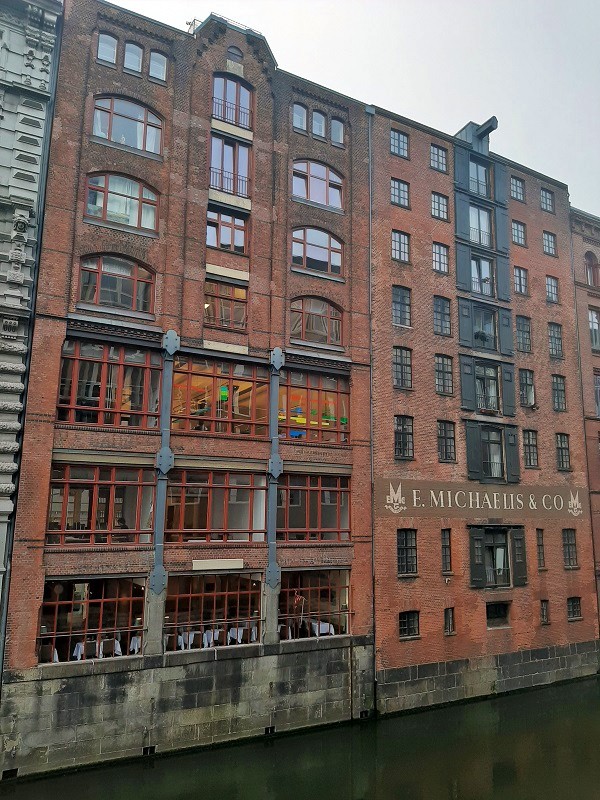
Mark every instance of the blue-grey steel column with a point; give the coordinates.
(275, 468)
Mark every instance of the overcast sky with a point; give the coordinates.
(535, 64)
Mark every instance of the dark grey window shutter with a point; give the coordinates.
(502, 241)
(461, 168)
(505, 332)
(467, 382)
(503, 278)
(463, 225)
(477, 557)
(519, 557)
(511, 448)
(465, 322)
(500, 183)
(508, 389)
(463, 266)
(473, 435)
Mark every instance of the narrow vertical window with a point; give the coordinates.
(107, 48)
(446, 550)
(403, 437)
(400, 246)
(541, 552)
(158, 66)
(446, 441)
(337, 131)
(401, 307)
(399, 143)
(407, 551)
(441, 257)
(299, 117)
(133, 57)
(569, 547)
(449, 621)
(402, 367)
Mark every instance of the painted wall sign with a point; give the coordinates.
(408, 498)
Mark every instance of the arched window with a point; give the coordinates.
(107, 48)
(316, 182)
(300, 117)
(337, 131)
(318, 124)
(592, 269)
(231, 101)
(121, 200)
(316, 250)
(316, 320)
(109, 280)
(127, 123)
(235, 54)
(158, 66)
(133, 57)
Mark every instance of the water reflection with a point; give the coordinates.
(543, 744)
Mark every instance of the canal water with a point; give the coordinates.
(540, 745)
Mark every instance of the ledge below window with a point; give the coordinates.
(114, 312)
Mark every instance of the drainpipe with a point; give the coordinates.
(165, 460)
(275, 468)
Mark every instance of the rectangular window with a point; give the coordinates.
(449, 628)
(403, 437)
(106, 384)
(225, 306)
(497, 615)
(313, 407)
(400, 246)
(225, 231)
(563, 454)
(517, 189)
(524, 334)
(409, 624)
(230, 166)
(573, 607)
(526, 388)
(204, 506)
(407, 551)
(399, 143)
(216, 397)
(541, 553)
(441, 316)
(446, 441)
(482, 276)
(495, 554)
(547, 200)
(100, 505)
(438, 158)
(559, 393)
(597, 392)
(441, 257)
(107, 48)
(519, 233)
(402, 367)
(549, 243)
(87, 619)
(594, 320)
(399, 193)
(521, 281)
(204, 611)
(479, 182)
(439, 206)
(444, 383)
(544, 612)
(551, 289)
(314, 603)
(555, 342)
(484, 328)
(492, 453)
(487, 387)
(313, 508)
(569, 547)
(530, 449)
(401, 313)
(446, 550)
(480, 221)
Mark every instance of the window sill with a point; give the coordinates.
(441, 272)
(440, 219)
(108, 64)
(498, 627)
(126, 149)
(404, 576)
(559, 469)
(519, 200)
(527, 467)
(114, 226)
(447, 461)
(227, 250)
(403, 388)
(399, 261)
(241, 331)
(447, 574)
(445, 394)
(158, 81)
(115, 312)
(330, 348)
(302, 131)
(313, 274)
(339, 145)
(552, 255)
(404, 458)
(574, 619)
(557, 358)
(445, 335)
(436, 169)
(313, 204)
(399, 155)
(518, 244)
(133, 72)
(449, 633)
(571, 569)
(521, 294)
(400, 205)
(409, 638)
(542, 569)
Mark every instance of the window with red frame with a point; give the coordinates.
(314, 603)
(225, 305)
(106, 384)
(313, 508)
(212, 610)
(121, 201)
(226, 231)
(127, 123)
(212, 396)
(232, 101)
(91, 618)
(215, 507)
(117, 282)
(316, 320)
(100, 505)
(316, 250)
(230, 166)
(313, 407)
(317, 183)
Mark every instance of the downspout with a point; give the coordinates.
(40, 206)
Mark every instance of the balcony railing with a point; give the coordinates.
(493, 469)
(229, 182)
(479, 187)
(481, 237)
(487, 402)
(233, 113)
(497, 577)
(482, 286)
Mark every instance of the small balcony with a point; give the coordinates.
(497, 577)
(480, 236)
(479, 187)
(488, 403)
(233, 113)
(229, 182)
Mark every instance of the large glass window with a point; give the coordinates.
(232, 101)
(441, 257)
(317, 183)
(517, 189)
(230, 166)
(100, 505)
(482, 276)
(127, 123)
(314, 603)
(569, 547)
(104, 384)
(113, 281)
(497, 567)
(592, 269)
(484, 328)
(487, 387)
(492, 453)
(337, 131)
(316, 250)
(549, 243)
(530, 449)
(521, 280)
(313, 508)
(207, 506)
(226, 231)
(318, 124)
(446, 437)
(91, 618)
(439, 206)
(399, 193)
(122, 201)
(519, 233)
(315, 320)
(219, 397)
(314, 407)
(481, 226)
(406, 545)
(225, 305)
(479, 181)
(559, 393)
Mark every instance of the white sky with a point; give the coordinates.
(535, 64)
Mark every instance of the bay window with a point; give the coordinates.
(313, 407)
(313, 508)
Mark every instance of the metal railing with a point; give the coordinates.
(232, 113)
(481, 237)
(479, 187)
(493, 469)
(229, 182)
(497, 577)
(487, 401)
